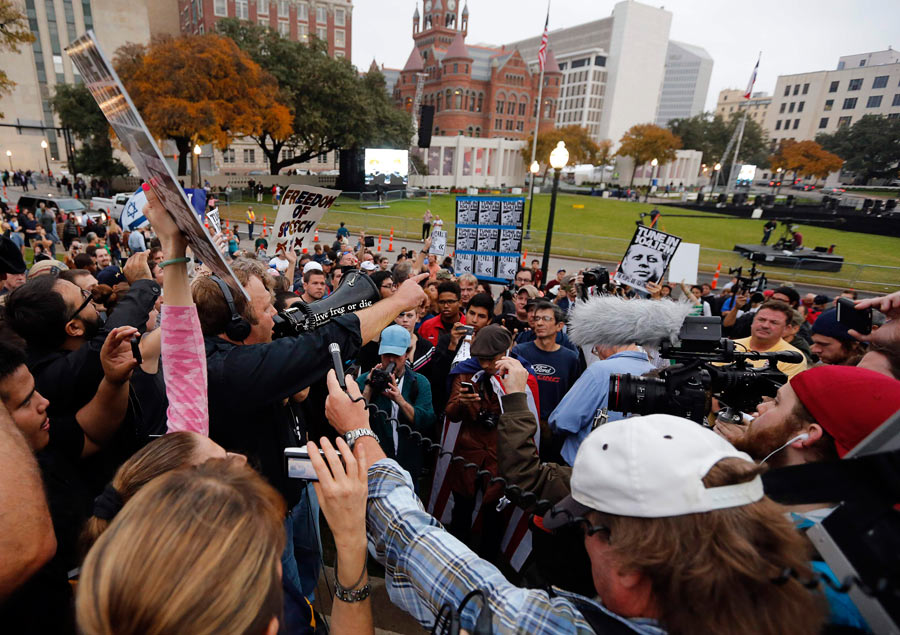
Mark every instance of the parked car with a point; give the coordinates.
(833, 190)
(804, 187)
(62, 203)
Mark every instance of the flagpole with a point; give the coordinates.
(537, 125)
(737, 149)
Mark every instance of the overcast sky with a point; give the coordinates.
(794, 35)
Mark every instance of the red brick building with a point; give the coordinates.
(476, 91)
(328, 20)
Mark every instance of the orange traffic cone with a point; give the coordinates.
(379, 242)
(524, 257)
(316, 237)
(265, 228)
(305, 250)
(715, 279)
(391, 243)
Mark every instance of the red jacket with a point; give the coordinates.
(432, 329)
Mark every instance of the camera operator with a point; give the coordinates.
(770, 324)
(402, 394)
(574, 416)
(647, 486)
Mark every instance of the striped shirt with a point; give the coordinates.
(427, 567)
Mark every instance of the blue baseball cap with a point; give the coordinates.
(395, 340)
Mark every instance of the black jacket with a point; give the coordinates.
(69, 379)
(249, 386)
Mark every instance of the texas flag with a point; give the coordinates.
(752, 79)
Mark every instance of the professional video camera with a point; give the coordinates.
(755, 282)
(708, 365)
(356, 291)
(597, 277)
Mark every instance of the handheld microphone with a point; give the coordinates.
(335, 351)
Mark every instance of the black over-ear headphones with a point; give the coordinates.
(237, 329)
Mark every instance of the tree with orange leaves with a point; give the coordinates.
(200, 89)
(806, 158)
(644, 142)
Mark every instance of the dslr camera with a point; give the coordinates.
(707, 365)
(380, 378)
(598, 277)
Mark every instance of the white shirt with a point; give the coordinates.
(280, 263)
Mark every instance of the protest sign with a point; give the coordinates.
(647, 257)
(299, 212)
(489, 236)
(132, 216)
(109, 93)
(438, 242)
(684, 264)
(215, 223)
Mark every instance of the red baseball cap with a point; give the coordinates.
(847, 401)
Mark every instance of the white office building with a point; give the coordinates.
(623, 70)
(806, 104)
(686, 82)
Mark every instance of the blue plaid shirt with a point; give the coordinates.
(427, 568)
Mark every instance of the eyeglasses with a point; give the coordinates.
(389, 285)
(88, 298)
(519, 279)
(544, 318)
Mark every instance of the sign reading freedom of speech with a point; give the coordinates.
(109, 93)
(299, 212)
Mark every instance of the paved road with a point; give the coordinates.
(556, 262)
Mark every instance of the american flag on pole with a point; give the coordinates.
(752, 79)
(542, 52)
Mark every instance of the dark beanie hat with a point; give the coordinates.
(826, 324)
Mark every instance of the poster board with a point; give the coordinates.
(299, 211)
(109, 93)
(438, 243)
(685, 263)
(647, 257)
(489, 236)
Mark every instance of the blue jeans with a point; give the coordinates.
(300, 561)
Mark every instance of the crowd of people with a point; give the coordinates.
(469, 444)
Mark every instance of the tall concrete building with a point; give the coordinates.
(603, 60)
(806, 104)
(732, 100)
(686, 82)
(41, 66)
(327, 20)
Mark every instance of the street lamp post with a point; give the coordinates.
(712, 183)
(46, 160)
(653, 165)
(558, 160)
(9, 157)
(534, 169)
(778, 180)
(195, 171)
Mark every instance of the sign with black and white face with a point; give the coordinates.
(647, 257)
(109, 93)
(466, 238)
(489, 236)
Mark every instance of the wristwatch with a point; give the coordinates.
(352, 436)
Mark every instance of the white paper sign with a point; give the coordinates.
(299, 212)
(507, 266)
(684, 263)
(438, 242)
(465, 263)
(215, 223)
(484, 266)
(647, 257)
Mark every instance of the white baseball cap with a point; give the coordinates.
(651, 467)
(368, 265)
(312, 264)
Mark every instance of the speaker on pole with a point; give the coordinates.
(426, 124)
(352, 164)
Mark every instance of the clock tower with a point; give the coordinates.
(439, 23)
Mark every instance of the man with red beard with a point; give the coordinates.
(820, 415)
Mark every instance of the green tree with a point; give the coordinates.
(710, 135)
(333, 107)
(78, 111)
(582, 148)
(644, 142)
(14, 31)
(870, 147)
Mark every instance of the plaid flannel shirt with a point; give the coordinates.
(427, 568)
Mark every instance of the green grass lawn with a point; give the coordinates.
(876, 193)
(600, 230)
